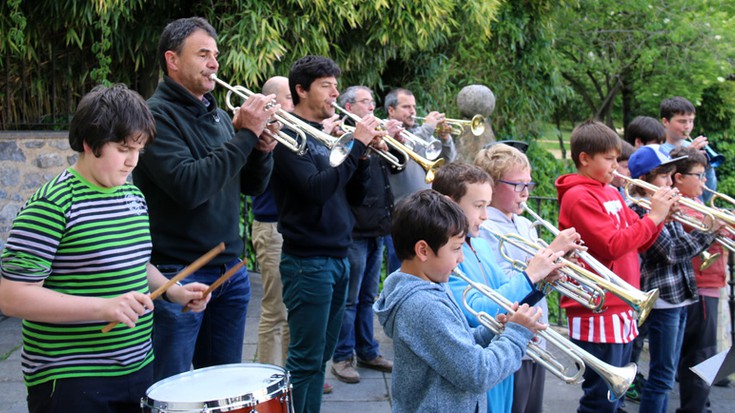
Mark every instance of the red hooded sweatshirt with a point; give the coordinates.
(613, 234)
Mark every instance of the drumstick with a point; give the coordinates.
(197, 264)
(224, 277)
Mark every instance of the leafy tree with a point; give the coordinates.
(638, 52)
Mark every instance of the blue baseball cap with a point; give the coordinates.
(647, 158)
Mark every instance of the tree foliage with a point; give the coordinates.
(641, 51)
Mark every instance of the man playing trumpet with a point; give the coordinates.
(315, 219)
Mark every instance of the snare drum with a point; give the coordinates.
(260, 388)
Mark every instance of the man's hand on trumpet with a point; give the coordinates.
(255, 113)
(394, 128)
(366, 130)
(331, 124)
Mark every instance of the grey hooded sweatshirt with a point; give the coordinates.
(441, 364)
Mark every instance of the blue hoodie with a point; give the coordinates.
(441, 364)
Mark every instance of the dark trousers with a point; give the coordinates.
(314, 291)
(117, 394)
(528, 388)
(700, 343)
(594, 399)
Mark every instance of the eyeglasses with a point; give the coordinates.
(700, 175)
(520, 186)
(368, 102)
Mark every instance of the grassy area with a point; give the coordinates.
(550, 138)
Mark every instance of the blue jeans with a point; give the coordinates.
(393, 262)
(665, 335)
(314, 291)
(212, 337)
(365, 256)
(594, 399)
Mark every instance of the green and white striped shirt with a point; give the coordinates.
(83, 240)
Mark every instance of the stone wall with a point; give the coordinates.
(28, 160)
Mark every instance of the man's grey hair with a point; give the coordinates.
(350, 94)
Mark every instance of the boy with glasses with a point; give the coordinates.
(700, 333)
(511, 172)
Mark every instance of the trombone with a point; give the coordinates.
(641, 302)
(339, 147)
(456, 126)
(586, 292)
(429, 166)
(618, 379)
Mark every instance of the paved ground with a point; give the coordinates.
(372, 394)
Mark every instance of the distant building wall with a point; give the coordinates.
(27, 160)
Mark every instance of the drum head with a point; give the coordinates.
(226, 385)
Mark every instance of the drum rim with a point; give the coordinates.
(279, 387)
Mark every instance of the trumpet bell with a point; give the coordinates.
(340, 150)
(477, 125)
(433, 150)
(708, 259)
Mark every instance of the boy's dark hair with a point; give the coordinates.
(452, 179)
(676, 105)
(429, 216)
(110, 114)
(391, 99)
(176, 32)
(307, 69)
(592, 137)
(626, 150)
(647, 129)
(694, 157)
(667, 169)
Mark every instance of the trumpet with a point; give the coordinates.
(586, 292)
(702, 225)
(618, 379)
(726, 241)
(456, 126)
(432, 147)
(715, 159)
(641, 302)
(429, 166)
(389, 157)
(339, 147)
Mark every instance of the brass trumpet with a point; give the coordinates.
(618, 379)
(712, 213)
(586, 292)
(429, 166)
(456, 126)
(389, 157)
(726, 241)
(641, 302)
(339, 147)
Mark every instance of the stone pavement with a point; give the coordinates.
(372, 394)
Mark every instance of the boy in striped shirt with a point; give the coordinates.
(77, 258)
(614, 234)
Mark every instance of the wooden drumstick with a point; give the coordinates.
(224, 277)
(197, 264)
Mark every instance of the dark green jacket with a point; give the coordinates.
(192, 176)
